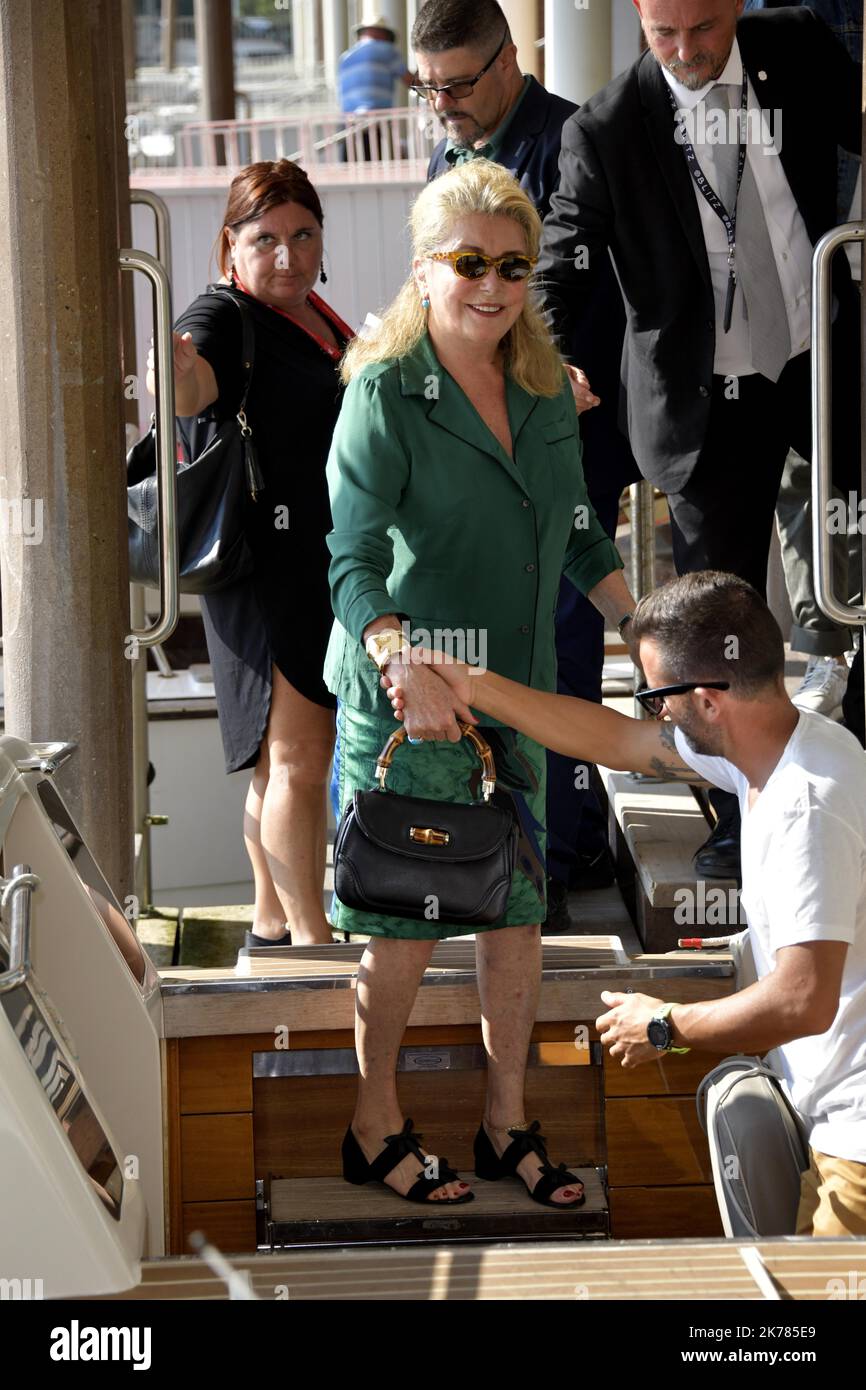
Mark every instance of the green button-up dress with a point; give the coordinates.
(433, 520)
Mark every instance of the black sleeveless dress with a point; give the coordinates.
(281, 614)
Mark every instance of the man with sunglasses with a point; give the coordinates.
(468, 73)
(714, 659)
(708, 171)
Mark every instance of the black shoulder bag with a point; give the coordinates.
(409, 856)
(212, 492)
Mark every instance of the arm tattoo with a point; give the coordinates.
(672, 769)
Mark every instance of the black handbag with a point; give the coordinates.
(409, 856)
(212, 493)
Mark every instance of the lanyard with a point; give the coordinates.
(728, 220)
(319, 304)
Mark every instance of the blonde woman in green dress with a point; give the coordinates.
(458, 502)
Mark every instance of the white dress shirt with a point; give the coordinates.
(788, 236)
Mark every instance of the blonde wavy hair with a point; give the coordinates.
(478, 186)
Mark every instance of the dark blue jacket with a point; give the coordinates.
(531, 146)
(531, 151)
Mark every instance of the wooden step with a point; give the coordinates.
(655, 829)
(312, 987)
(330, 1211)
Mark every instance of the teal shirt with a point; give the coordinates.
(459, 154)
(434, 521)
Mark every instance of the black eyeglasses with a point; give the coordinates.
(458, 90)
(653, 700)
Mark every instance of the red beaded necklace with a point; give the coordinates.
(315, 302)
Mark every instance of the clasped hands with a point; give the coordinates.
(429, 692)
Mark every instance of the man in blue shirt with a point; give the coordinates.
(369, 69)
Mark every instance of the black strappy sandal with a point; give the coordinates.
(357, 1170)
(490, 1167)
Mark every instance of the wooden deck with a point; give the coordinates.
(669, 1271)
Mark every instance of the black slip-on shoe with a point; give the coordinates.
(251, 939)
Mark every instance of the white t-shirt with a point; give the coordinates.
(803, 848)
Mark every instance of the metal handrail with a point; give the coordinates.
(159, 208)
(835, 609)
(17, 892)
(642, 525)
(642, 566)
(166, 447)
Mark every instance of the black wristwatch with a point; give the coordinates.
(622, 622)
(660, 1033)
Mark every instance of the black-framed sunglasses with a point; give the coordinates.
(474, 265)
(653, 701)
(458, 90)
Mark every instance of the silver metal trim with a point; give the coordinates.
(342, 1061)
(16, 896)
(165, 624)
(642, 566)
(47, 758)
(717, 970)
(822, 300)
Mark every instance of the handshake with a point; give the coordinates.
(430, 692)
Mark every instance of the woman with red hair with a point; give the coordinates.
(267, 634)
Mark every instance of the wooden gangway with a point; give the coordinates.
(670, 1271)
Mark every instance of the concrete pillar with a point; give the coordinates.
(128, 12)
(522, 17)
(169, 33)
(65, 593)
(318, 35)
(335, 35)
(412, 8)
(214, 39)
(577, 48)
(625, 36)
(299, 27)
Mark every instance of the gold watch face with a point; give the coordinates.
(383, 646)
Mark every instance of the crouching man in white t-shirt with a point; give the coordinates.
(713, 658)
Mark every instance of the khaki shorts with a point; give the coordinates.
(832, 1197)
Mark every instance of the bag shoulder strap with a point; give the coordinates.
(248, 343)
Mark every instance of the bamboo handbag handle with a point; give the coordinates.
(479, 743)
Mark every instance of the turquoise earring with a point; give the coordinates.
(425, 303)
